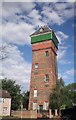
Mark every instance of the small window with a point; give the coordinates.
(46, 105)
(36, 66)
(46, 78)
(35, 106)
(35, 93)
(3, 100)
(46, 53)
(5, 110)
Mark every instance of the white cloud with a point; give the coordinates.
(63, 6)
(15, 67)
(61, 36)
(0, 12)
(58, 13)
(38, 1)
(65, 10)
(61, 54)
(63, 61)
(51, 16)
(18, 1)
(36, 18)
(10, 8)
(53, 13)
(68, 76)
(70, 72)
(19, 30)
(34, 14)
(17, 33)
(70, 0)
(14, 12)
(62, 49)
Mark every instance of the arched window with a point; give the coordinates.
(46, 78)
(46, 53)
(36, 65)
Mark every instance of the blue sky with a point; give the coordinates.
(19, 20)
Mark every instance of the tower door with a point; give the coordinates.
(40, 108)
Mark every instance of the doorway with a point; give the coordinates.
(40, 108)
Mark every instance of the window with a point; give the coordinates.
(46, 53)
(1, 100)
(35, 93)
(46, 105)
(46, 78)
(5, 110)
(35, 106)
(36, 66)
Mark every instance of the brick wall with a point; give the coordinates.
(46, 65)
(24, 114)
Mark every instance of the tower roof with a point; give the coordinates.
(44, 33)
(41, 30)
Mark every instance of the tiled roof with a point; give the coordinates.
(4, 94)
(42, 29)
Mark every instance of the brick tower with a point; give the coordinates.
(44, 68)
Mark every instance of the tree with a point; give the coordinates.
(63, 96)
(70, 91)
(14, 90)
(55, 97)
(25, 99)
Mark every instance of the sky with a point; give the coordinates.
(19, 20)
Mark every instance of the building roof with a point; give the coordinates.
(42, 29)
(44, 33)
(4, 94)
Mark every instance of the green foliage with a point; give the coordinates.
(25, 99)
(55, 98)
(14, 90)
(70, 91)
(63, 95)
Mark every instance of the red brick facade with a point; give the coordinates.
(43, 74)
